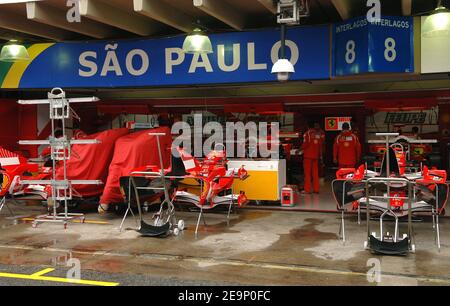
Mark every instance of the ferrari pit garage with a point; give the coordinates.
(190, 144)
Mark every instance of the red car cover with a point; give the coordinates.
(132, 151)
(91, 162)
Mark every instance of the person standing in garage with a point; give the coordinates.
(346, 148)
(312, 148)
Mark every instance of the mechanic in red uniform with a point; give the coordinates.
(312, 148)
(346, 148)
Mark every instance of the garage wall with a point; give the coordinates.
(16, 123)
(376, 123)
(9, 124)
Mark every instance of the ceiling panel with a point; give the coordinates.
(255, 14)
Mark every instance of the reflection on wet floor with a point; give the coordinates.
(309, 231)
(312, 202)
(322, 201)
(227, 225)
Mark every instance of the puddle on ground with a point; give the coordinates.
(13, 221)
(309, 231)
(432, 263)
(225, 226)
(319, 244)
(111, 265)
(215, 228)
(253, 215)
(240, 237)
(219, 228)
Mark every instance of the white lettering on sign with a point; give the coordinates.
(390, 54)
(236, 58)
(351, 25)
(171, 61)
(382, 22)
(111, 64)
(350, 55)
(136, 62)
(204, 63)
(252, 65)
(291, 45)
(129, 62)
(85, 62)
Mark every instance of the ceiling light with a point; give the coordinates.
(437, 24)
(197, 43)
(283, 68)
(14, 52)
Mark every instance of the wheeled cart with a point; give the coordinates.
(385, 242)
(59, 110)
(164, 221)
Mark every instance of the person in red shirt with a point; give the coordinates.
(312, 147)
(346, 148)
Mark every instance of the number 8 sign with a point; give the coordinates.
(386, 46)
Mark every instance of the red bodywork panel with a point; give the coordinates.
(14, 166)
(351, 173)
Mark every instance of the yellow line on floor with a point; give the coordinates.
(45, 271)
(38, 276)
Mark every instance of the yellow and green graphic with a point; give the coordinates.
(12, 73)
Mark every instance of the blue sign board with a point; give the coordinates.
(240, 57)
(384, 46)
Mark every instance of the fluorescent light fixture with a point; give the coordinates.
(14, 52)
(197, 43)
(437, 24)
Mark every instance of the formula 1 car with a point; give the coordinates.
(392, 192)
(215, 180)
(214, 177)
(417, 151)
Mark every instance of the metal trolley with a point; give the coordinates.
(385, 243)
(165, 222)
(59, 110)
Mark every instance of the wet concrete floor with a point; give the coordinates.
(254, 247)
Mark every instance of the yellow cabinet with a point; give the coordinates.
(266, 178)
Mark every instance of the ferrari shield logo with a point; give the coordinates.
(331, 124)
